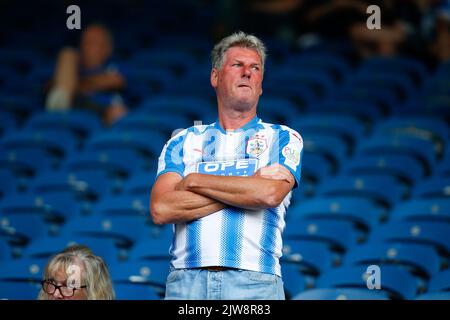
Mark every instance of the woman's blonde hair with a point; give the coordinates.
(94, 272)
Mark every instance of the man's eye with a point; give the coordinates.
(255, 68)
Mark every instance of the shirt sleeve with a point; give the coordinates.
(171, 158)
(290, 152)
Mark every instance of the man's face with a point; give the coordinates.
(238, 82)
(95, 47)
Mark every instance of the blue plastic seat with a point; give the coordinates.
(348, 127)
(338, 235)
(401, 85)
(319, 82)
(41, 206)
(44, 248)
(150, 272)
(405, 168)
(380, 100)
(313, 258)
(360, 212)
(422, 210)
(396, 282)
(192, 107)
(440, 282)
(276, 109)
(81, 123)
(25, 163)
(7, 123)
(146, 146)
(120, 230)
(125, 205)
(422, 150)
(154, 248)
(418, 259)
(7, 183)
(383, 191)
(365, 110)
(341, 294)
(135, 291)
(443, 295)
(426, 128)
(432, 234)
(140, 183)
(332, 148)
(437, 188)
(333, 64)
(151, 121)
(20, 279)
(414, 69)
(293, 279)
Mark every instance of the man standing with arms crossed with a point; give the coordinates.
(226, 187)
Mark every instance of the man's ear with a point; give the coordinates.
(214, 77)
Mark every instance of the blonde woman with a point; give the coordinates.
(76, 274)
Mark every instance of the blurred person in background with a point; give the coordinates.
(87, 78)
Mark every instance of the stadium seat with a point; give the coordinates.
(422, 150)
(443, 295)
(403, 167)
(150, 272)
(432, 234)
(440, 282)
(361, 212)
(43, 248)
(422, 210)
(312, 257)
(56, 144)
(20, 279)
(396, 282)
(293, 279)
(341, 294)
(437, 188)
(135, 291)
(338, 235)
(348, 127)
(419, 260)
(384, 191)
(81, 123)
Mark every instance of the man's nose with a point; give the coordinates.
(246, 72)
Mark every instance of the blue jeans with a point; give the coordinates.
(233, 284)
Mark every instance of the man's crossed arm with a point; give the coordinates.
(175, 199)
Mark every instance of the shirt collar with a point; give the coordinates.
(251, 124)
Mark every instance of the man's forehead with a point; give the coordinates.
(242, 53)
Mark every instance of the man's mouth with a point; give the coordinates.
(244, 86)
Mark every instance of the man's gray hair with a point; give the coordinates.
(238, 39)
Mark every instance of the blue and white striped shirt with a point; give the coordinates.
(232, 237)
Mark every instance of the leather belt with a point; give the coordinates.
(216, 268)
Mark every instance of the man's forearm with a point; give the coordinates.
(182, 206)
(244, 192)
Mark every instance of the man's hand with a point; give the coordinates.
(276, 172)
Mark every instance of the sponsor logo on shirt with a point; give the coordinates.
(242, 167)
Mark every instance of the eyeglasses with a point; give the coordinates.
(50, 288)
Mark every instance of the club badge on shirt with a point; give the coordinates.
(256, 145)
